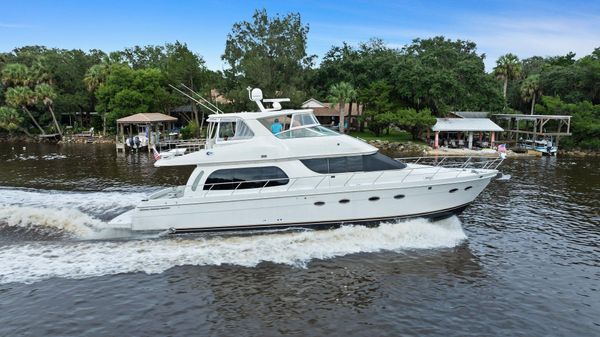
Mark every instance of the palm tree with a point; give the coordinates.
(507, 67)
(23, 97)
(530, 89)
(93, 79)
(10, 120)
(38, 72)
(341, 93)
(95, 76)
(15, 74)
(46, 94)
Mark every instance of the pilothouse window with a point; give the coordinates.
(245, 178)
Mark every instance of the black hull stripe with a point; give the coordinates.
(437, 215)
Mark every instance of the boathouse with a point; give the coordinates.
(464, 132)
(149, 125)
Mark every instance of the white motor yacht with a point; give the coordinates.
(280, 168)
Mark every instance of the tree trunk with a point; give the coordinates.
(350, 116)
(341, 127)
(25, 131)
(55, 121)
(505, 88)
(33, 119)
(533, 104)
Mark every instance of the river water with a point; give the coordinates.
(524, 259)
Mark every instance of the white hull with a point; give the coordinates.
(250, 210)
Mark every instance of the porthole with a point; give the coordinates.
(453, 190)
(468, 188)
(399, 196)
(319, 203)
(429, 187)
(373, 198)
(344, 201)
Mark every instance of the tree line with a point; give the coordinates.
(403, 87)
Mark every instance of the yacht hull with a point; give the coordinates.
(439, 215)
(309, 209)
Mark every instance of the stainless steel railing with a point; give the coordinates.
(442, 165)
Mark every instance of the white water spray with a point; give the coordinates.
(38, 261)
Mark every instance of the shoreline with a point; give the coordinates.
(397, 148)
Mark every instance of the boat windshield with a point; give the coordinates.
(297, 125)
(311, 131)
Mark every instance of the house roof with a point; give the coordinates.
(465, 124)
(470, 114)
(313, 103)
(148, 117)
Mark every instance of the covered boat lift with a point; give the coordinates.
(467, 126)
(534, 126)
(151, 124)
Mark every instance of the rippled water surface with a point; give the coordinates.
(524, 259)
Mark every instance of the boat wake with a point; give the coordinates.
(37, 261)
(29, 261)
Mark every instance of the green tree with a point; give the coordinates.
(11, 120)
(341, 93)
(530, 89)
(507, 68)
(128, 91)
(376, 106)
(15, 74)
(96, 76)
(269, 53)
(46, 94)
(444, 75)
(23, 97)
(415, 121)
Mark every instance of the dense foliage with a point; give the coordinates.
(403, 87)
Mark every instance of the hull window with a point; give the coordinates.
(373, 198)
(365, 163)
(344, 201)
(319, 203)
(453, 190)
(399, 196)
(468, 188)
(246, 178)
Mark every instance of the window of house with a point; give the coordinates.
(245, 178)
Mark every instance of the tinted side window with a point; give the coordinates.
(367, 163)
(319, 165)
(346, 164)
(380, 162)
(244, 178)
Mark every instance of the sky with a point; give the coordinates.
(525, 28)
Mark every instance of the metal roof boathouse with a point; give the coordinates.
(450, 131)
